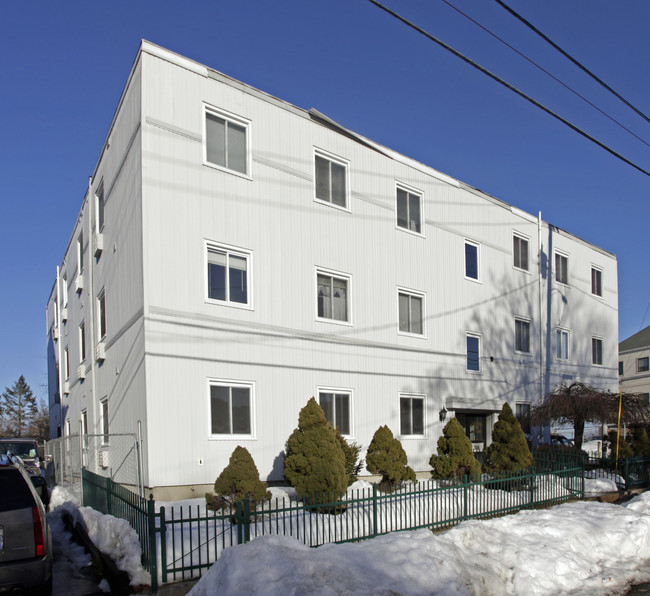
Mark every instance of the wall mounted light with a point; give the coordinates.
(443, 414)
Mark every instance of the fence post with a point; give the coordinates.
(153, 553)
(374, 510)
(247, 520)
(465, 486)
(239, 518)
(109, 490)
(532, 486)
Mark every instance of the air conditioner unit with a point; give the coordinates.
(55, 333)
(79, 283)
(100, 351)
(81, 372)
(66, 387)
(64, 314)
(103, 459)
(98, 244)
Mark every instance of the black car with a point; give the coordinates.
(27, 450)
(25, 539)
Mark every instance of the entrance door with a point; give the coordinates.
(474, 426)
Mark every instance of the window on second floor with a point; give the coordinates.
(620, 367)
(562, 344)
(82, 341)
(409, 210)
(643, 364)
(473, 352)
(80, 253)
(522, 335)
(105, 422)
(228, 275)
(226, 141)
(336, 405)
(66, 364)
(596, 350)
(100, 207)
(332, 296)
(411, 312)
(471, 260)
(561, 268)
(331, 174)
(520, 252)
(101, 313)
(596, 282)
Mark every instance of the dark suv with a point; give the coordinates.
(25, 540)
(27, 450)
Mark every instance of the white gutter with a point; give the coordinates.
(541, 303)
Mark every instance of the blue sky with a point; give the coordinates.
(65, 64)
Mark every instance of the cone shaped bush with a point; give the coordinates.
(509, 450)
(351, 452)
(640, 442)
(314, 462)
(455, 457)
(387, 457)
(624, 449)
(239, 480)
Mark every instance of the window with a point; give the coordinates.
(473, 347)
(471, 260)
(620, 367)
(80, 254)
(642, 364)
(100, 206)
(330, 180)
(228, 275)
(226, 141)
(523, 416)
(332, 297)
(84, 428)
(105, 431)
(596, 282)
(561, 268)
(411, 414)
(82, 341)
(409, 210)
(64, 287)
(101, 314)
(230, 408)
(66, 364)
(562, 344)
(520, 252)
(336, 405)
(411, 312)
(522, 335)
(596, 350)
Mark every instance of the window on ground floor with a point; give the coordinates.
(411, 414)
(336, 405)
(231, 407)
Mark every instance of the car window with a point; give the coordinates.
(18, 448)
(14, 491)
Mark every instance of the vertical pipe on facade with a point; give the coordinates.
(540, 278)
(57, 324)
(91, 301)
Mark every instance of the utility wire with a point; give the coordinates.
(571, 58)
(546, 72)
(508, 86)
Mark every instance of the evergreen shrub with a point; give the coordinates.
(387, 457)
(351, 451)
(640, 442)
(455, 458)
(239, 480)
(509, 450)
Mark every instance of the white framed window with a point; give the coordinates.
(101, 313)
(409, 209)
(82, 341)
(596, 350)
(80, 253)
(64, 288)
(620, 367)
(66, 364)
(105, 421)
(227, 141)
(410, 311)
(228, 275)
(561, 268)
(472, 260)
(333, 296)
(84, 428)
(473, 341)
(597, 281)
(337, 405)
(99, 204)
(562, 344)
(520, 252)
(522, 335)
(411, 414)
(330, 175)
(231, 409)
(642, 364)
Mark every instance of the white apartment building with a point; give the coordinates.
(235, 255)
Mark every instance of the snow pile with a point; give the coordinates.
(112, 536)
(578, 548)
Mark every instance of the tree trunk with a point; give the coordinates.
(579, 432)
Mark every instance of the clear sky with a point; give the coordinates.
(64, 65)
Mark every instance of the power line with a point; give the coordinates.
(571, 58)
(507, 85)
(565, 85)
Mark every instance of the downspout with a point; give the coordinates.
(540, 304)
(57, 324)
(91, 301)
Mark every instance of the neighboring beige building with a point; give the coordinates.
(634, 362)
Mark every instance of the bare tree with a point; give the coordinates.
(577, 403)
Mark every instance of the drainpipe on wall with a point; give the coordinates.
(91, 300)
(541, 295)
(57, 324)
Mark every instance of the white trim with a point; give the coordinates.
(218, 382)
(420, 194)
(521, 236)
(236, 251)
(476, 279)
(339, 275)
(423, 397)
(414, 294)
(236, 119)
(342, 162)
(478, 336)
(327, 389)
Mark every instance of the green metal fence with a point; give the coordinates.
(182, 541)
